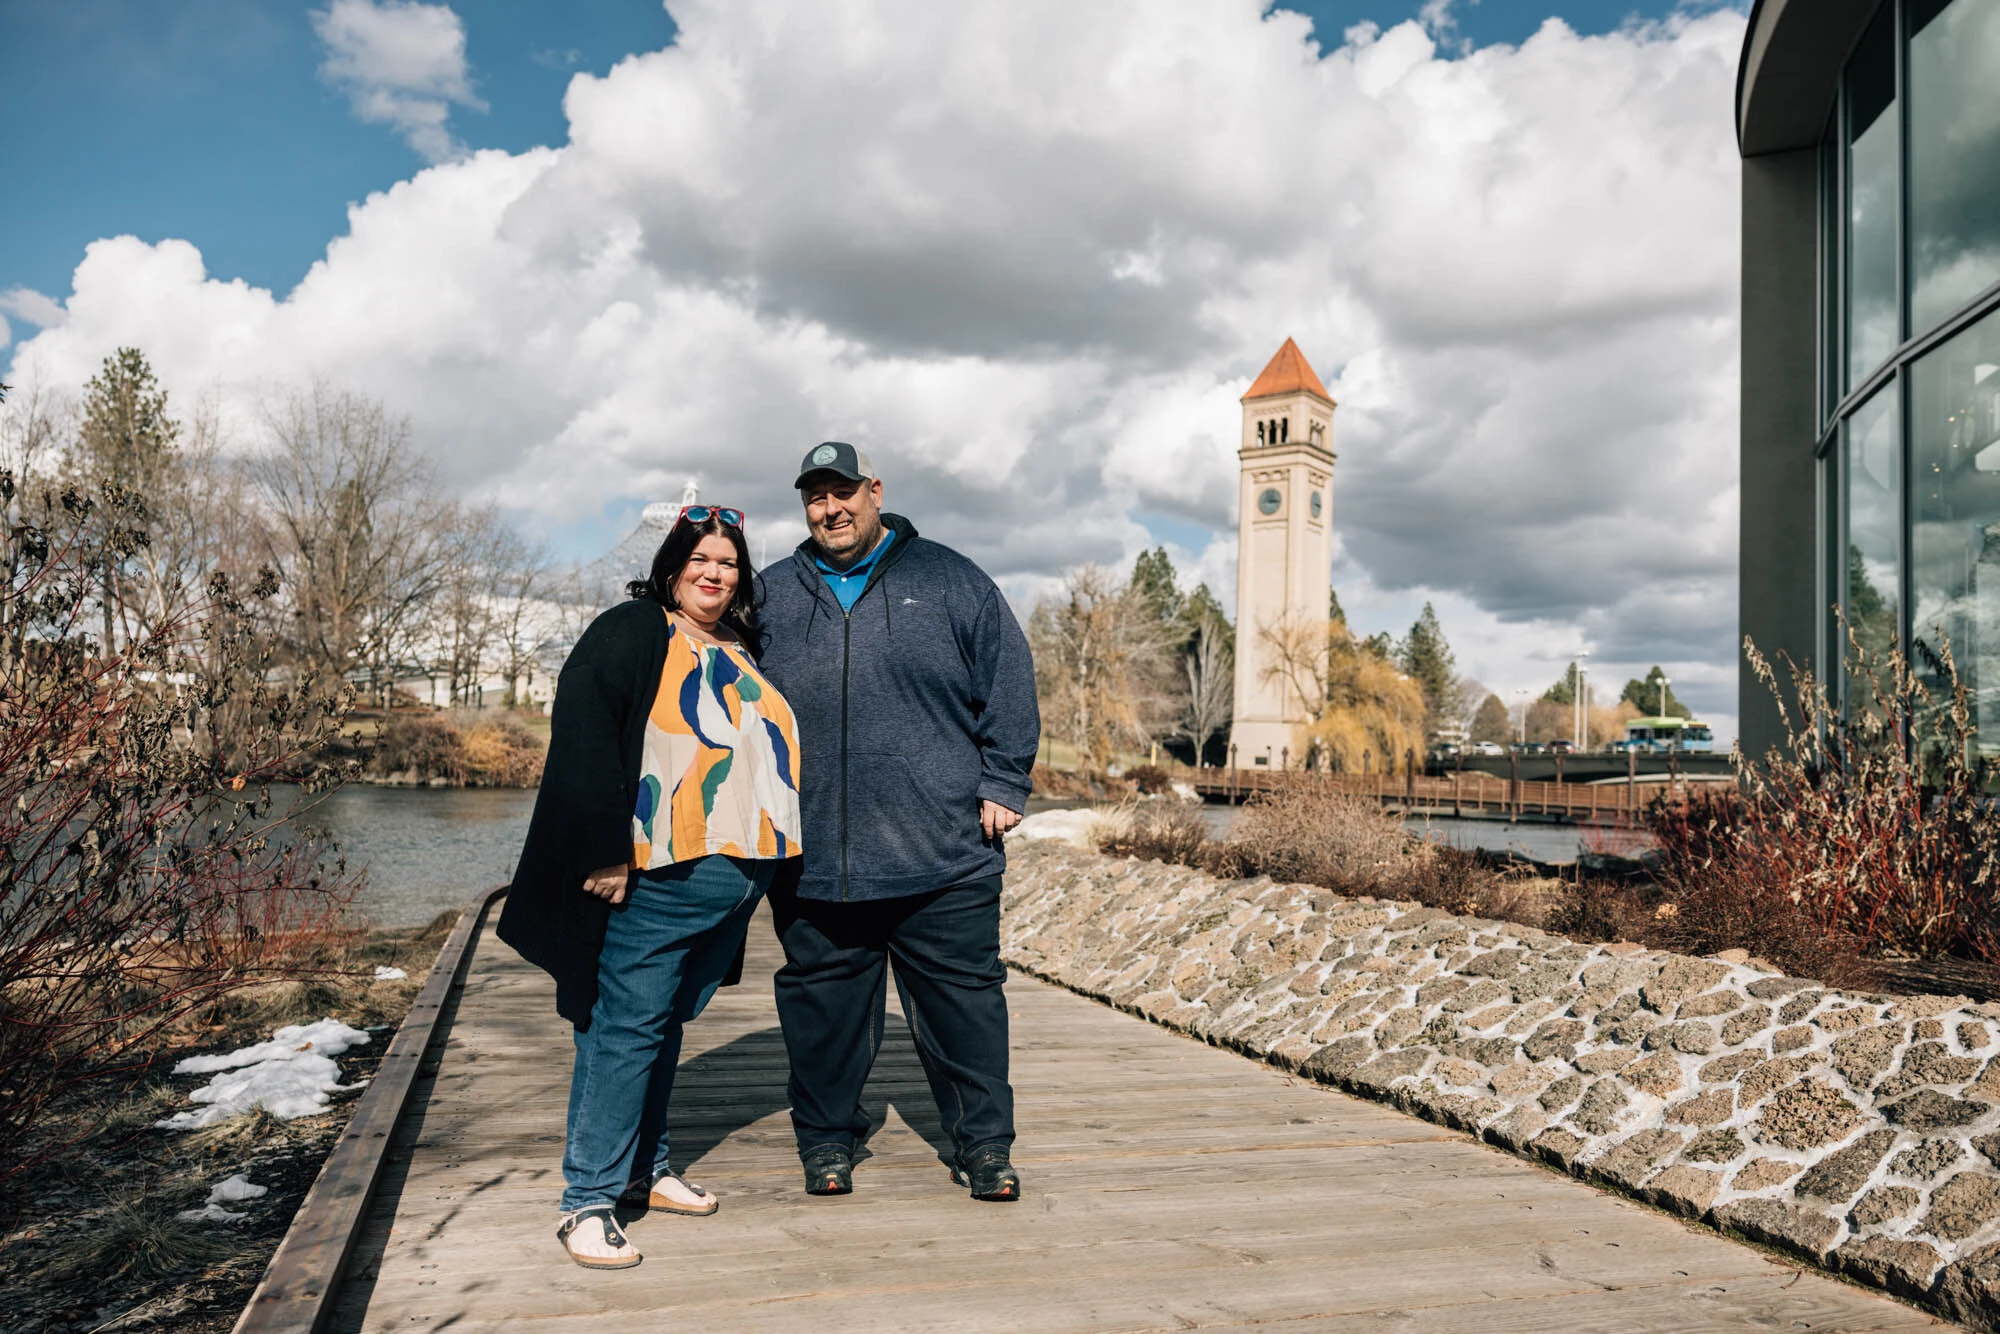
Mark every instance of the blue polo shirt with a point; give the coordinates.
(847, 584)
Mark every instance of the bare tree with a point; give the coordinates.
(356, 529)
(522, 583)
(1099, 658)
(1355, 700)
(1209, 662)
(35, 423)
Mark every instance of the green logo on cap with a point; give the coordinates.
(824, 455)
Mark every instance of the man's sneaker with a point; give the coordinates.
(989, 1173)
(829, 1170)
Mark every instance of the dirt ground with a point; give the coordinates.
(90, 1240)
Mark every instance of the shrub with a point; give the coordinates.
(423, 744)
(1869, 835)
(144, 872)
(1150, 779)
(1311, 830)
(499, 752)
(1161, 832)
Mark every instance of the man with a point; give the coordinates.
(915, 700)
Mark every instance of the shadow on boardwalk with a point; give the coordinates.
(1170, 1186)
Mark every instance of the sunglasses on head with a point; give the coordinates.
(700, 513)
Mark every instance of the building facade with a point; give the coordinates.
(1284, 553)
(1870, 140)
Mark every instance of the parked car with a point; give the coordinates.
(1487, 748)
(1561, 746)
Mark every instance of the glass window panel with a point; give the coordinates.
(1872, 589)
(1954, 144)
(1833, 572)
(1829, 269)
(1872, 326)
(1955, 542)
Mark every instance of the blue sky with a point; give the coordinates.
(207, 119)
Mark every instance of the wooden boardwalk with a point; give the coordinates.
(1170, 1186)
(1620, 805)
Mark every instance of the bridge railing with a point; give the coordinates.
(1593, 803)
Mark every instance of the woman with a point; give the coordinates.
(669, 798)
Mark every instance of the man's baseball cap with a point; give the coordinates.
(835, 456)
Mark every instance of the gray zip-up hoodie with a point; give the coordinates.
(911, 708)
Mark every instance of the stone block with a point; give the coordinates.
(1451, 1070)
(1714, 1146)
(1502, 963)
(1659, 1074)
(1862, 1057)
(1603, 1106)
(1485, 1051)
(1709, 1109)
(1764, 1173)
(1927, 1109)
(1491, 1017)
(1605, 1060)
(1928, 1063)
(1905, 1268)
(1776, 988)
(1745, 1024)
(1762, 1080)
(1527, 1016)
(1460, 1111)
(1335, 1061)
(1691, 1036)
(1791, 1039)
(1921, 1162)
(1975, 1037)
(1620, 1009)
(1543, 979)
(1680, 979)
(1615, 974)
(1807, 1115)
(1847, 1018)
(1630, 1162)
(1477, 994)
(1710, 1005)
(1517, 1128)
(1963, 1205)
(1799, 1006)
(1883, 1204)
(1687, 1191)
(1377, 1075)
(1779, 1223)
(1398, 1025)
(1632, 1029)
(1558, 1147)
(1926, 1030)
(1723, 1069)
(1515, 1082)
(1562, 1094)
(1969, 1290)
(1836, 1177)
(1555, 1038)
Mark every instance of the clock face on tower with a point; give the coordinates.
(1317, 505)
(1269, 501)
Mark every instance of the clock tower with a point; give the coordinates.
(1284, 549)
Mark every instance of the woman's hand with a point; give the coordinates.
(608, 883)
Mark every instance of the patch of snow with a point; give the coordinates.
(384, 973)
(290, 1076)
(1075, 827)
(231, 1190)
(1186, 792)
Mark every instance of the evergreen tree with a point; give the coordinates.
(1427, 659)
(1645, 695)
(1564, 690)
(125, 446)
(1153, 584)
(1380, 644)
(1491, 722)
(1333, 611)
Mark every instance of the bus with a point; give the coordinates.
(1685, 735)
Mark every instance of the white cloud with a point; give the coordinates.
(402, 64)
(1032, 278)
(24, 303)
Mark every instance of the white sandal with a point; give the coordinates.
(676, 1196)
(606, 1230)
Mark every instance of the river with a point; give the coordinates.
(429, 849)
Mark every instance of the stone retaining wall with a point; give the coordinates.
(1859, 1131)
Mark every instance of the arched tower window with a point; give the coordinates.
(1260, 433)
(1284, 428)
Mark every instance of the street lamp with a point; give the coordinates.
(1522, 695)
(1581, 712)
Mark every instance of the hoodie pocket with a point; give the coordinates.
(899, 826)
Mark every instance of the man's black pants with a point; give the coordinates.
(832, 1001)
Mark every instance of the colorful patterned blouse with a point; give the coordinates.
(720, 772)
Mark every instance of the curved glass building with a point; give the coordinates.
(1870, 136)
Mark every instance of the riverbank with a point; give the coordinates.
(96, 1237)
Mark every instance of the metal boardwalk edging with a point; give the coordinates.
(296, 1293)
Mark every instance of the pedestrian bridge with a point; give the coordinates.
(1170, 1186)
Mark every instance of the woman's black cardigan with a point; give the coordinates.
(583, 812)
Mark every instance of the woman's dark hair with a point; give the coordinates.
(672, 557)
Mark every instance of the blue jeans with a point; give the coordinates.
(666, 949)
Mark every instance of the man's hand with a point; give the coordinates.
(609, 883)
(996, 819)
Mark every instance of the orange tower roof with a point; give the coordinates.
(1287, 373)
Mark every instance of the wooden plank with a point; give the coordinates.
(294, 1296)
(1171, 1185)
